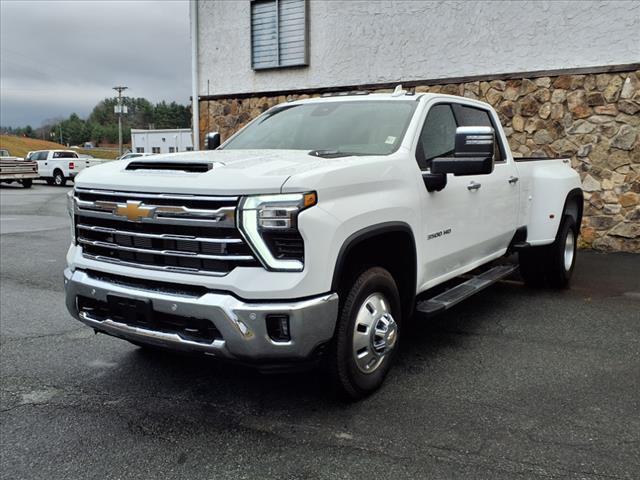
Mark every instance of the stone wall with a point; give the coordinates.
(592, 118)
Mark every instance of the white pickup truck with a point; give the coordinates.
(59, 166)
(316, 232)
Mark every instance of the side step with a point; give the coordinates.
(463, 291)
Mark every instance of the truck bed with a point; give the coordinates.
(14, 168)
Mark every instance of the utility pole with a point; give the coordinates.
(195, 105)
(119, 110)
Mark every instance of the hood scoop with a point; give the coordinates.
(189, 167)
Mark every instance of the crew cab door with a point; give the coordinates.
(474, 216)
(498, 192)
(44, 165)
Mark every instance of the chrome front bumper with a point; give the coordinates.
(241, 324)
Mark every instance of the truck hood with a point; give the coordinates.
(232, 172)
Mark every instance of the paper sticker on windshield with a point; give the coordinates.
(390, 140)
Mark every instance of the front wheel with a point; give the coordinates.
(367, 334)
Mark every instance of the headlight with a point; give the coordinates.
(71, 203)
(269, 224)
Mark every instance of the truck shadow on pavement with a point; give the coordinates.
(173, 375)
(487, 335)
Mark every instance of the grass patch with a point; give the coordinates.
(20, 146)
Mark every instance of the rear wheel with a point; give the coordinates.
(553, 264)
(367, 334)
(59, 179)
(27, 182)
(563, 254)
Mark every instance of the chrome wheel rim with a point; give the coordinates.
(58, 180)
(375, 333)
(569, 250)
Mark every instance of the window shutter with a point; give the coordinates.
(278, 33)
(264, 34)
(292, 32)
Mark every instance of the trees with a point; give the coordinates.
(101, 126)
(170, 115)
(73, 130)
(27, 131)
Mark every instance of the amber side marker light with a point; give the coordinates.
(310, 199)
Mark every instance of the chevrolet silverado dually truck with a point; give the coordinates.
(316, 232)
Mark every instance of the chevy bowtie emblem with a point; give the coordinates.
(134, 211)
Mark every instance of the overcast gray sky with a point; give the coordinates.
(59, 57)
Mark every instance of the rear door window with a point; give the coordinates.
(65, 155)
(478, 117)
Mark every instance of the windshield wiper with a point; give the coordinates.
(333, 153)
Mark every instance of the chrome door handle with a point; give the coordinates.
(513, 179)
(474, 186)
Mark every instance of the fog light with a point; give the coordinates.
(278, 328)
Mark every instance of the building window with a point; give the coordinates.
(172, 150)
(139, 149)
(278, 33)
(189, 149)
(155, 149)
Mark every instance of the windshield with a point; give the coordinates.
(330, 129)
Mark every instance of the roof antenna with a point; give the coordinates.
(398, 91)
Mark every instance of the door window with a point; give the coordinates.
(477, 117)
(437, 138)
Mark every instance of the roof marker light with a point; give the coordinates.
(398, 91)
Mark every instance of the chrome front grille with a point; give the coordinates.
(183, 233)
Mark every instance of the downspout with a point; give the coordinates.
(195, 104)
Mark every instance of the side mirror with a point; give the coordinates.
(212, 140)
(473, 154)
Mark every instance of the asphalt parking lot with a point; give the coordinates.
(513, 383)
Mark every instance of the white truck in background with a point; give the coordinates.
(59, 166)
(316, 232)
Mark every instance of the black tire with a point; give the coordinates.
(562, 262)
(346, 373)
(552, 265)
(59, 179)
(27, 182)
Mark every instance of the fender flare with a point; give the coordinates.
(574, 194)
(366, 233)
